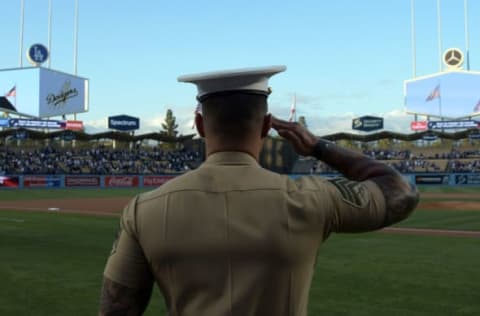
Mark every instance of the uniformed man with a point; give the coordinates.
(231, 238)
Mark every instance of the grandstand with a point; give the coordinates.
(444, 156)
(48, 153)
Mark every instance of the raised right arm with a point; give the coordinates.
(400, 196)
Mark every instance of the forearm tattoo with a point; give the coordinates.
(401, 198)
(119, 300)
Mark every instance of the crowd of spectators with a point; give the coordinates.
(100, 160)
(409, 155)
(416, 165)
(407, 161)
(105, 160)
(464, 166)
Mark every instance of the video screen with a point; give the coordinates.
(453, 94)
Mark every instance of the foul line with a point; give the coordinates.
(391, 230)
(66, 211)
(432, 232)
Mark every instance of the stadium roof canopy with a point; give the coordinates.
(81, 136)
(405, 137)
(161, 137)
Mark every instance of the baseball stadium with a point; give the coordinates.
(63, 189)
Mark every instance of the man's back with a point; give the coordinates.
(231, 238)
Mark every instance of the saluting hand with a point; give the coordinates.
(301, 139)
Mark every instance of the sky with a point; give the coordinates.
(344, 58)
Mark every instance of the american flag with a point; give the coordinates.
(12, 92)
(198, 109)
(434, 94)
(477, 107)
(293, 108)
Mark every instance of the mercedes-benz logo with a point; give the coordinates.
(453, 57)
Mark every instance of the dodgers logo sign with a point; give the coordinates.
(60, 98)
(37, 54)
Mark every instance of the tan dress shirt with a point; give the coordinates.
(231, 238)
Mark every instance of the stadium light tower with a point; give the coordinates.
(75, 49)
(22, 16)
(50, 33)
(467, 40)
(414, 48)
(439, 32)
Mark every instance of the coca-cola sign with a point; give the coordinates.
(155, 181)
(121, 181)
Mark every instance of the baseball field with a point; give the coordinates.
(54, 244)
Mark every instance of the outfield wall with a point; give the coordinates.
(83, 181)
(152, 181)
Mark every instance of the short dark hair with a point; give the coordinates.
(235, 114)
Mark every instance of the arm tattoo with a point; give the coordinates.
(401, 198)
(119, 300)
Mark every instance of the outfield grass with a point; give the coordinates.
(374, 274)
(449, 189)
(443, 219)
(9, 194)
(52, 265)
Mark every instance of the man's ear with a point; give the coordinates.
(199, 124)
(267, 124)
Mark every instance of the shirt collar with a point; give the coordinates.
(231, 158)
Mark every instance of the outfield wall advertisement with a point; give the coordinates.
(121, 181)
(42, 181)
(467, 179)
(432, 179)
(152, 181)
(82, 181)
(155, 181)
(9, 181)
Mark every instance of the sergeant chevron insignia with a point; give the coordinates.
(353, 193)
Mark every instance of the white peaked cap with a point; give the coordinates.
(252, 80)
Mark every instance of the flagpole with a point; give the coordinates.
(440, 102)
(467, 41)
(75, 53)
(22, 15)
(295, 107)
(439, 29)
(414, 48)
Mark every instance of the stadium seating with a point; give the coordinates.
(103, 160)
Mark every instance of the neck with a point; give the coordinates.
(251, 147)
